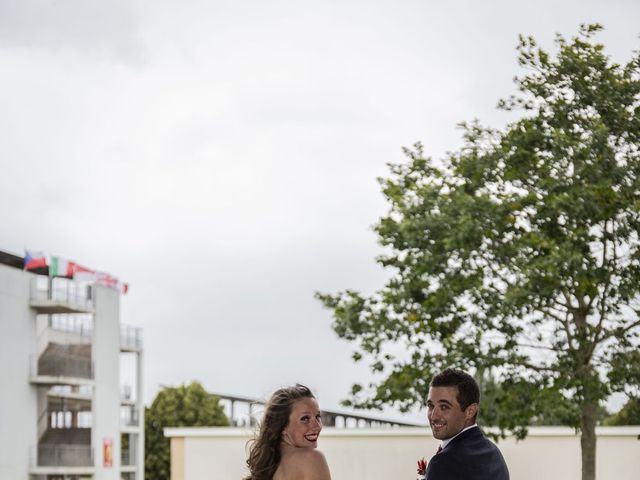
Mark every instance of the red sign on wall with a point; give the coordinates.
(107, 452)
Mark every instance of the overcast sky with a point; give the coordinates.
(222, 156)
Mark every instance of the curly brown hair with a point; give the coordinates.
(264, 452)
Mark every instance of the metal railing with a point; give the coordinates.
(127, 458)
(56, 416)
(64, 456)
(78, 324)
(61, 365)
(61, 290)
(125, 393)
(330, 418)
(62, 390)
(51, 335)
(130, 337)
(129, 416)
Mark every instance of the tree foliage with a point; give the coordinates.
(517, 254)
(548, 409)
(183, 406)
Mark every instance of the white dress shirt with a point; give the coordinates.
(446, 442)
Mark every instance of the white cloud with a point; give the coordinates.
(89, 28)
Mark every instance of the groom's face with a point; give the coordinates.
(445, 414)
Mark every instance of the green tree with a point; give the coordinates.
(549, 408)
(629, 414)
(517, 254)
(183, 406)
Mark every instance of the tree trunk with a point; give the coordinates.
(588, 440)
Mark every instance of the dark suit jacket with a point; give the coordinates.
(469, 456)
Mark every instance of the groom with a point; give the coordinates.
(465, 453)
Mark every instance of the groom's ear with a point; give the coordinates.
(471, 411)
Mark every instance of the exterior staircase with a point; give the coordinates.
(66, 361)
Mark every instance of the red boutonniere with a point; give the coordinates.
(422, 469)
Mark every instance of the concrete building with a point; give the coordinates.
(64, 411)
(391, 453)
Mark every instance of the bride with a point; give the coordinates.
(285, 447)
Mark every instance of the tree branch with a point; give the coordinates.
(621, 331)
(555, 316)
(603, 299)
(537, 347)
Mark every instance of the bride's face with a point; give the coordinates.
(304, 425)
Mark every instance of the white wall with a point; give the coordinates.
(382, 454)
(106, 399)
(140, 404)
(554, 452)
(18, 402)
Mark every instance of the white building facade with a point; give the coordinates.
(64, 412)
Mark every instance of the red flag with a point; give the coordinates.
(34, 260)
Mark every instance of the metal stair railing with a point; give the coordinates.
(130, 337)
(78, 324)
(62, 290)
(127, 458)
(62, 365)
(50, 455)
(59, 336)
(129, 416)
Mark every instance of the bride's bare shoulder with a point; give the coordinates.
(303, 464)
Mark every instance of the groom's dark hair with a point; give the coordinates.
(468, 390)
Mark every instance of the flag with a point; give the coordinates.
(79, 272)
(34, 260)
(103, 278)
(60, 267)
(108, 280)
